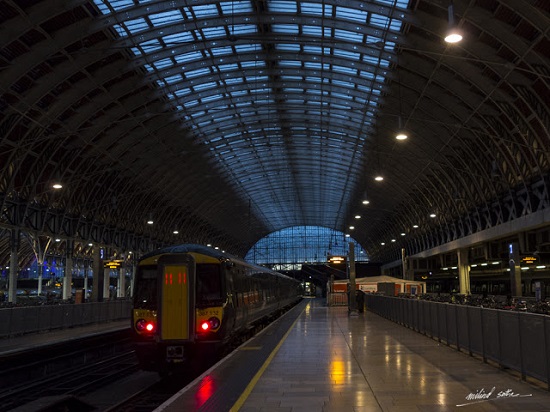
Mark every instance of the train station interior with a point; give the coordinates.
(326, 140)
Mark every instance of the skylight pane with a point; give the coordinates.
(204, 86)
(246, 48)
(240, 29)
(312, 8)
(150, 46)
(228, 67)
(231, 7)
(280, 6)
(120, 30)
(213, 32)
(348, 35)
(351, 14)
(102, 7)
(205, 10)
(342, 69)
(161, 64)
(395, 25)
(178, 38)
(172, 79)
(166, 18)
(378, 20)
(197, 73)
(346, 54)
(188, 57)
(295, 47)
(285, 28)
(121, 4)
(137, 25)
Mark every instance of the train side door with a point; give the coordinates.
(177, 297)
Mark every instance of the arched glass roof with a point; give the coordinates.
(282, 93)
(288, 248)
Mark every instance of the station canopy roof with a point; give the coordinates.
(225, 121)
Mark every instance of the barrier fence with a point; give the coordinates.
(337, 299)
(32, 319)
(515, 340)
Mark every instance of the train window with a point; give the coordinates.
(145, 294)
(209, 286)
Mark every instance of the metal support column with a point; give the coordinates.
(515, 269)
(352, 293)
(14, 265)
(97, 267)
(463, 271)
(68, 275)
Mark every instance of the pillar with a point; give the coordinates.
(14, 265)
(87, 268)
(352, 293)
(97, 268)
(106, 283)
(121, 282)
(515, 269)
(68, 275)
(463, 271)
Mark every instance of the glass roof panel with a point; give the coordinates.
(351, 14)
(282, 6)
(165, 18)
(204, 10)
(231, 7)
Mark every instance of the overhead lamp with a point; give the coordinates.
(175, 232)
(378, 178)
(415, 226)
(366, 202)
(433, 215)
(401, 133)
(358, 216)
(150, 220)
(57, 186)
(351, 227)
(453, 34)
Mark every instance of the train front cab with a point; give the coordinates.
(163, 315)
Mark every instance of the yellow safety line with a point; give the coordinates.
(242, 399)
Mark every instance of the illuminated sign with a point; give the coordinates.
(112, 264)
(528, 259)
(336, 259)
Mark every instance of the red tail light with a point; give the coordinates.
(143, 325)
(212, 323)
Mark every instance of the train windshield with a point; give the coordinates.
(209, 287)
(145, 293)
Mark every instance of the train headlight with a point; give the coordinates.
(212, 323)
(143, 325)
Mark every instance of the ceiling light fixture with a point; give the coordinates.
(401, 133)
(453, 34)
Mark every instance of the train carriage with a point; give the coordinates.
(192, 301)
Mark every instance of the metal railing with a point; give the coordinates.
(32, 319)
(513, 339)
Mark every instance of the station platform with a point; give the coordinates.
(319, 358)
